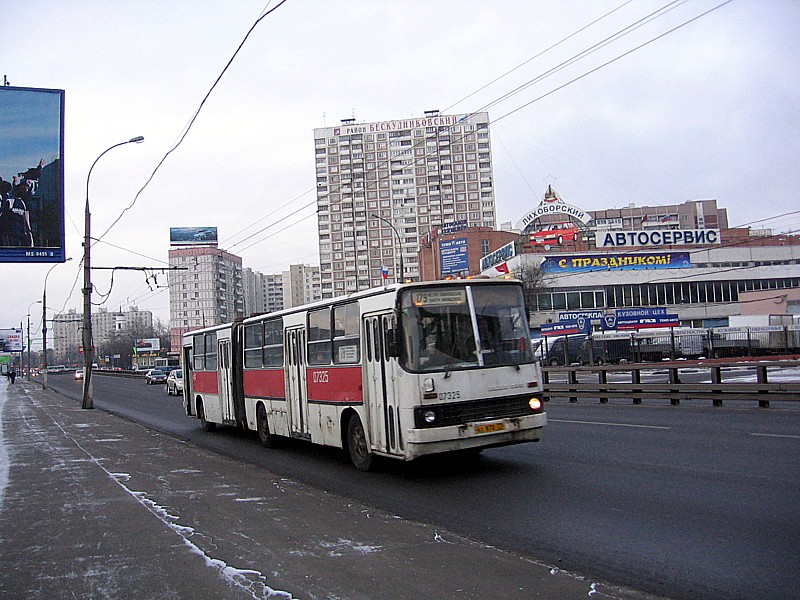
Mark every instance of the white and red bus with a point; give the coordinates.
(401, 371)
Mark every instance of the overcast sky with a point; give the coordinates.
(710, 110)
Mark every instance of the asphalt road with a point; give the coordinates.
(683, 501)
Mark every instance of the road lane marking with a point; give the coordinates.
(778, 435)
(609, 424)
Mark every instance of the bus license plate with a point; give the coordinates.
(489, 428)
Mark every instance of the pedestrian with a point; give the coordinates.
(12, 374)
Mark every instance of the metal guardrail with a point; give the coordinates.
(674, 390)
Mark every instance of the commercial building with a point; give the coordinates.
(681, 259)
(383, 185)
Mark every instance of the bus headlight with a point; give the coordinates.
(429, 416)
(535, 403)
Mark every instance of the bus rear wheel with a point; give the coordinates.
(201, 414)
(266, 438)
(360, 455)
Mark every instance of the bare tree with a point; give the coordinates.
(533, 279)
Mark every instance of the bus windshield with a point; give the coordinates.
(454, 327)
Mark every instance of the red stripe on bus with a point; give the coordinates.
(334, 384)
(205, 381)
(264, 383)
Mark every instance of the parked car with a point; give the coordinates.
(78, 374)
(555, 233)
(563, 351)
(155, 376)
(175, 382)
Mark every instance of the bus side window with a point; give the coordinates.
(319, 337)
(346, 340)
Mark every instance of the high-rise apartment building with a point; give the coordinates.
(301, 285)
(263, 292)
(268, 292)
(206, 290)
(381, 186)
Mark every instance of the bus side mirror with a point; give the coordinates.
(392, 344)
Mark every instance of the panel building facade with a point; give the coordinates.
(206, 290)
(383, 185)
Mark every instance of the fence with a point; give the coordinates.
(672, 344)
(673, 385)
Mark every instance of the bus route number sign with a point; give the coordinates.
(439, 297)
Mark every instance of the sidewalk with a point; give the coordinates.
(94, 506)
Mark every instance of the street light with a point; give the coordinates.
(88, 350)
(29, 336)
(401, 276)
(44, 324)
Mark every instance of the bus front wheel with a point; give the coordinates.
(360, 455)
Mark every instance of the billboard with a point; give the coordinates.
(584, 263)
(31, 175)
(453, 257)
(193, 236)
(147, 345)
(11, 340)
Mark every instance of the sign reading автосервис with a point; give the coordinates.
(658, 237)
(582, 263)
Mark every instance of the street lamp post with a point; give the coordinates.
(88, 349)
(29, 336)
(402, 274)
(44, 325)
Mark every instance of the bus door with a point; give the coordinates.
(224, 374)
(187, 379)
(295, 343)
(381, 396)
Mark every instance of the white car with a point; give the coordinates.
(78, 374)
(175, 382)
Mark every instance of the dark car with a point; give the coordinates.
(564, 350)
(155, 376)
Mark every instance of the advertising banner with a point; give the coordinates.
(31, 175)
(648, 322)
(11, 340)
(453, 257)
(500, 255)
(570, 327)
(585, 263)
(193, 236)
(148, 345)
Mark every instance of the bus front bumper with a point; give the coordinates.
(483, 434)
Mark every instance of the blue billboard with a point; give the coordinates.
(31, 175)
(453, 257)
(584, 263)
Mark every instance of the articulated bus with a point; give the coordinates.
(401, 371)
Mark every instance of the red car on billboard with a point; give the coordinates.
(555, 234)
